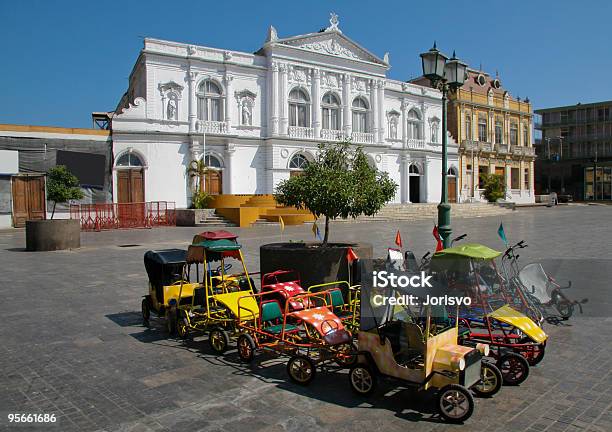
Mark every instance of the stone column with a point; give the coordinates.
(346, 105)
(283, 103)
(404, 106)
(425, 182)
(316, 102)
(491, 127)
(508, 173)
(228, 168)
(228, 100)
(192, 104)
(404, 180)
(374, 108)
(274, 99)
(381, 111)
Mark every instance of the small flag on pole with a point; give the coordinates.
(351, 255)
(502, 234)
(436, 234)
(282, 223)
(316, 231)
(398, 239)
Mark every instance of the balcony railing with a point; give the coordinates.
(214, 127)
(470, 145)
(417, 144)
(502, 148)
(332, 135)
(485, 146)
(363, 137)
(301, 132)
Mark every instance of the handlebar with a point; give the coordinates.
(510, 250)
(461, 237)
(426, 255)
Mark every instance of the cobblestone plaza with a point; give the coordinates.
(73, 343)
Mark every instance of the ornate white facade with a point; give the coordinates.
(257, 115)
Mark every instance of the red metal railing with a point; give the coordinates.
(97, 217)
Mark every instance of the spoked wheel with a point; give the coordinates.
(182, 326)
(534, 355)
(218, 340)
(146, 312)
(246, 348)
(348, 355)
(565, 308)
(455, 403)
(362, 379)
(301, 369)
(514, 368)
(490, 380)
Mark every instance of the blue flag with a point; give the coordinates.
(502, 234)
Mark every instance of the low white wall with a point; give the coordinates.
(6, 221)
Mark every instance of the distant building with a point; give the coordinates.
(494, 132)
(28, 152)
(575, 153)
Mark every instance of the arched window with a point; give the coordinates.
(452, 172)
(513, 133)
(413, 169)
(129, 160)
(298, 162)
(468, 126)
(209, 101)
(330, 107)
(414, 125)
(212, 162)
(299, 108)
(360, 115)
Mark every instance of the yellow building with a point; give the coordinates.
(494, 131)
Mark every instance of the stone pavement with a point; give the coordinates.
(72, 342)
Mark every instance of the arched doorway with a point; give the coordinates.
(130, 178)
(414, 183)
(297, 164)
(451, 178)
(213, 185)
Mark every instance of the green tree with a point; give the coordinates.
(62, 186)
(494, 187)
(198, 169)
(339, 183)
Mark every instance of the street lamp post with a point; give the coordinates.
(446, 75)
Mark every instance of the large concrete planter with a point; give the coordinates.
(192, 217)
(50, 235)
(316, 264)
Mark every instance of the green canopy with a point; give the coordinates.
(468, 250)
(222, 245)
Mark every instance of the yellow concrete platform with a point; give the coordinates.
(244, 210)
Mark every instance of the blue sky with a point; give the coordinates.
(61, 60)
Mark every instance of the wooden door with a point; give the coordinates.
(452, 189)
(29, 202)
(130, 186)
(214, 182)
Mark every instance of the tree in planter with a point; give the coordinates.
(339, 183)
(198, 169)
(494, 187)
(62, 186)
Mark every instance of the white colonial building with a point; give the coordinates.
(258, 118)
